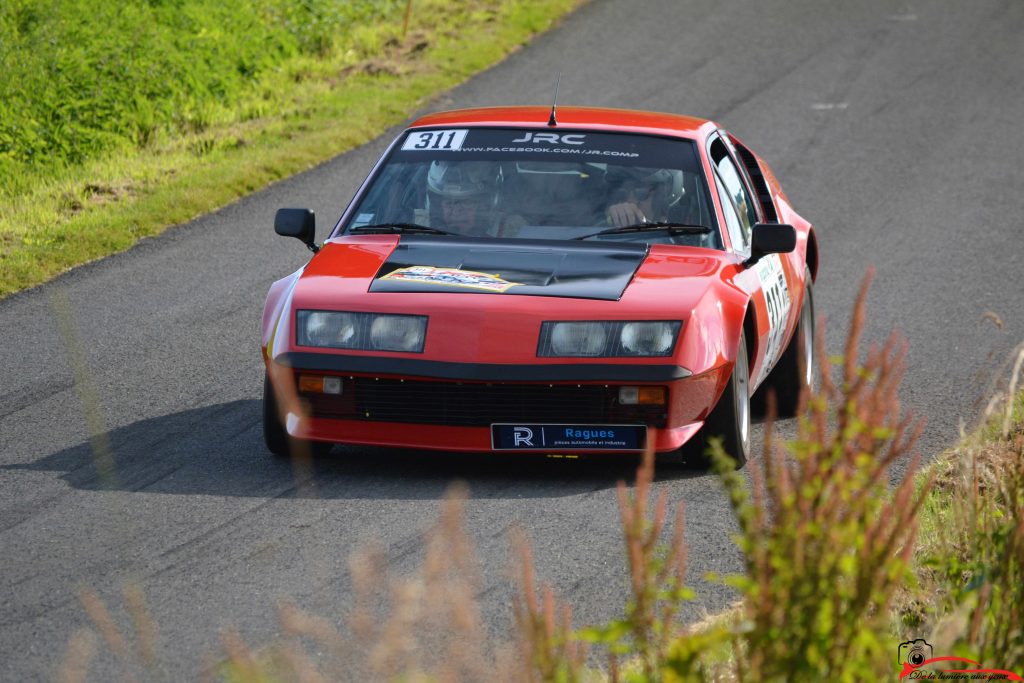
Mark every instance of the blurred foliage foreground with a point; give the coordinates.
(844, 559)
(119, 119)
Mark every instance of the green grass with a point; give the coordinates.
(967, 596)
(107, 187)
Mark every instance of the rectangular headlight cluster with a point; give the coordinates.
(608, 339)
(362, 331)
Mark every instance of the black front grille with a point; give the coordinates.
(470, 404)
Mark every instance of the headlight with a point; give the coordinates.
(364, 331)
(648, 339)
(608, 339)
(398, 333)
(578, 339)
(319, 328)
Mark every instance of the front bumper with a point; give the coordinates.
(451, 406)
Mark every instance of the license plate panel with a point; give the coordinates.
(567, 437)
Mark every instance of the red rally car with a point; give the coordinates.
(516, 279)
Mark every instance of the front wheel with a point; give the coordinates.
(278, 441)
(729, 421)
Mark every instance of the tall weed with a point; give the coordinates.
(649, 642)
(417, 628)
(826, 543)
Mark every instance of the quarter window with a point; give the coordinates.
(732, 218)
(734, 193)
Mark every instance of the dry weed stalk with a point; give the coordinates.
(440, 608)
(297, 624)
(425, 627)
(549, 649)
(243, 662)
(134, 655)
(656, 576)
(653, 644)
(81, 651)
(145, 626)
(826, 542)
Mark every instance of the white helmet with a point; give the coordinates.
(669, 180)
(464, 179)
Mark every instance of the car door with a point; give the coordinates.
(773, 281)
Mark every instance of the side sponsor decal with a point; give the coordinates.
(776, 296)
(453, 277)
(428, 140)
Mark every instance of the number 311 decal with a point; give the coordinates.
(435, 139)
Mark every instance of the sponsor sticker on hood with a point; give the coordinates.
(510, 266)
(452, 277)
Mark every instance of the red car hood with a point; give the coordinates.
(476, 322)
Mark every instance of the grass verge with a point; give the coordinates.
(308, 110)
(968, 595)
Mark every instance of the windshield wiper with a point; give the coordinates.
(671, 228)
(387, 228)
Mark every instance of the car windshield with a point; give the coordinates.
(508, 183)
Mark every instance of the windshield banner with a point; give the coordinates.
(571, 146)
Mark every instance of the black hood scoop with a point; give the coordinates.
(509, 266)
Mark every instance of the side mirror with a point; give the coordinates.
(770, 238)
(300, 223)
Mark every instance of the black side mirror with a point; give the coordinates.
(770, 238)
(300, 223)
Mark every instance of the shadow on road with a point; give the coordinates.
(218, 450)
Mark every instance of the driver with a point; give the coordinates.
(463, 197)
(643, 195)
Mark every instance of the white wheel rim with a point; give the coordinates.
(742, 400)
(807, 329)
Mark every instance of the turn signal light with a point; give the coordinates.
(313, 384)
(644, 396)
(316, 384)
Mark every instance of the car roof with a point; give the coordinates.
(593, 118)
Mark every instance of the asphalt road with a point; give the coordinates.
(893, 126)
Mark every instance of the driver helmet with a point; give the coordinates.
(465, 180)
(557, 192)
(667, 182)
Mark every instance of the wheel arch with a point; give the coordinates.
(812, 255)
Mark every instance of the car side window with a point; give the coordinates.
(738, 197)
(732, 218)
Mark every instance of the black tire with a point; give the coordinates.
(729, 421)
(278, 441)
(795, 370)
